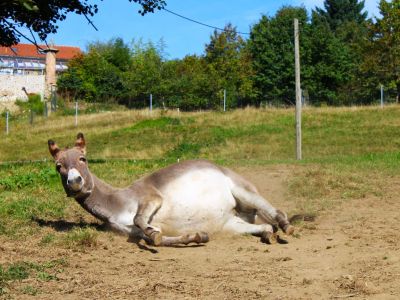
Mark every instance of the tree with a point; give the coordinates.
(383, 52)
(144, 74)
(228, 60)
(272, 50)
(94, 76)
(331, 65)
(42, 17)
(188, 83)
(346, 28)
(338, 12)
(115, 52)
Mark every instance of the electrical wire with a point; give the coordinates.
(203, 24)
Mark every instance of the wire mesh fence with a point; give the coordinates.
(37, 110)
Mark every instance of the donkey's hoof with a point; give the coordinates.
(288, 229)
(201, 237)
(269, 238)
(156, 237)
(281, 241)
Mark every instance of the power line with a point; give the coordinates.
(203, 24)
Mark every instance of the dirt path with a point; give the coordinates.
(350, 252)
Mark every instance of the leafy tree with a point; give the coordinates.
(115, 51)
(227, 59)
(383, 52)
(272, 50)
(338, 12)
(188, 83)
(92, 78)
(331, 65)
(346, 29)
(144, 74)
(42, 16)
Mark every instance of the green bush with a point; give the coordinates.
(34, 104)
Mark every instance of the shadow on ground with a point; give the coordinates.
(62, 225)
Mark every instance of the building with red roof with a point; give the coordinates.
(29, 59)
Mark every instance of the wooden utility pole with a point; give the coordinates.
(298, 89)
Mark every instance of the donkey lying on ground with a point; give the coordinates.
(162, 208)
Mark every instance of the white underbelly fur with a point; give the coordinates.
(200, 200)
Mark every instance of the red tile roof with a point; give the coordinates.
(29, 50)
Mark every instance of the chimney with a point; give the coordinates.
(50, 79)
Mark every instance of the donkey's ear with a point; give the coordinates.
(80, 142)
(53, 148)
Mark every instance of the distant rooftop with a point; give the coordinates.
(30, 51)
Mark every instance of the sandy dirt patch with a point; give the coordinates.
(352, 251)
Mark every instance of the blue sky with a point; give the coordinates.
(119, 18)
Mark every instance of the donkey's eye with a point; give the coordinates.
(82, 159)
(58, 167)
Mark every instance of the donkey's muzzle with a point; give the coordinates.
(75, 180)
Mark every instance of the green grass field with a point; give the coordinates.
(255, 135)
(348, 153)
(342, 148)
(336, 141)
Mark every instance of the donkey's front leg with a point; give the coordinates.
(146, 210)
(198, 238)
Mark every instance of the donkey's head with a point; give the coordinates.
(72, 166)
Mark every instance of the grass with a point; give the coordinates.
(348, 153)
(21, 270)
(81, 238)
(26, 195)
(265, 134)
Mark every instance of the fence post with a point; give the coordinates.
(76, 113)
(381, 95)
(151, 102)
(7, 116)
(31, 118)
(45, 110)
(224, 99)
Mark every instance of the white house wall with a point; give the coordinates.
(11, 86)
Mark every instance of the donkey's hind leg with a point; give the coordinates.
(265, 231)
(264, 209)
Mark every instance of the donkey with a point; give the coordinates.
(162, 208)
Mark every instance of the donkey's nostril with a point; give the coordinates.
(76, 180)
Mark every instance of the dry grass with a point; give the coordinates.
(249, 134)
(316, 189)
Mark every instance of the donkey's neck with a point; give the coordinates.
(104, 200)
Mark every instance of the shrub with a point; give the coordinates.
(34, 104)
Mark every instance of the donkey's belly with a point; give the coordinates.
(198, 201)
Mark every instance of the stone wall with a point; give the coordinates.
(11, 86)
